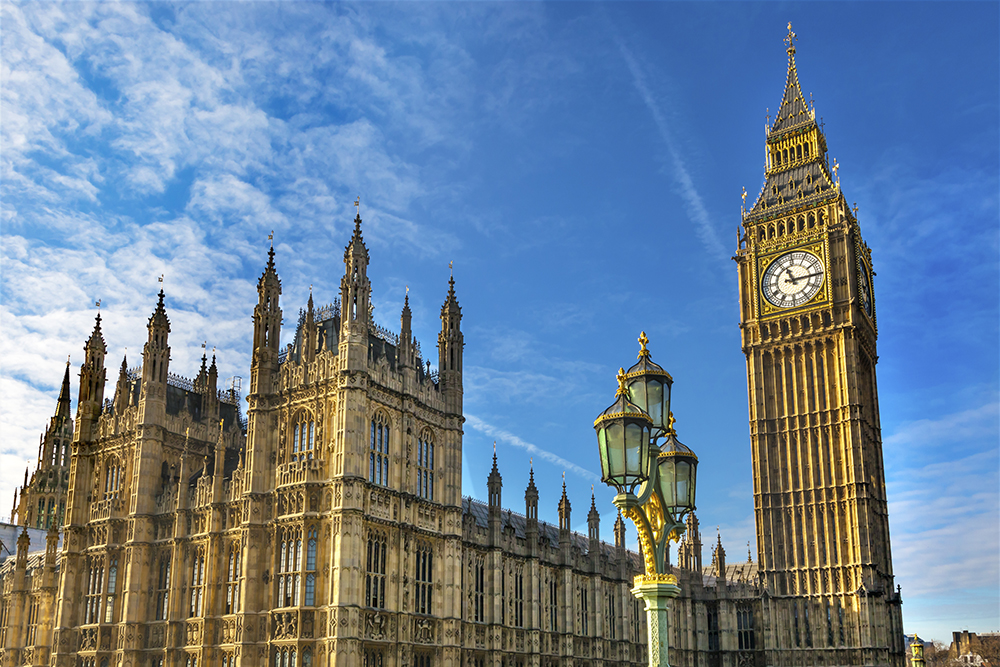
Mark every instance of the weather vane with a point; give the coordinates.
(270, 237)
(98, 304)
(451, 267)
(357, 204)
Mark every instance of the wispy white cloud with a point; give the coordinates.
(516, 441)
(943, 510)
(685, 183)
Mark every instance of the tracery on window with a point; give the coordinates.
(378, 458)
(197, 594)
(289, 577)
(424, 577)
(303, 438)
(375, 564)
(425, 466)
(233, 572)
(310, 571)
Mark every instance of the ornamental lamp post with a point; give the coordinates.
(654, 475)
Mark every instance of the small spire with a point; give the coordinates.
(270, 255)
(62, 409)
(790, 40)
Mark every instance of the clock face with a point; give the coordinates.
(792, 279)
(865, 289)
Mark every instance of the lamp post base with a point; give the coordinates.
(656, 591)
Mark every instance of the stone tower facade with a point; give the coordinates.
(809, 334)
(42, 502)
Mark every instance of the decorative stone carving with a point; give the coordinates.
(375, 626)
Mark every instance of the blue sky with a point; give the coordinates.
(580, 163)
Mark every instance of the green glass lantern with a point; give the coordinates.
(623, 432)
(649, 388)
(678, 467)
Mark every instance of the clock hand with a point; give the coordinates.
(809, 275)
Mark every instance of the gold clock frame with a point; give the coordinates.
(765, 309)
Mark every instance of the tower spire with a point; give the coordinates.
(62, 407)
(794, 110)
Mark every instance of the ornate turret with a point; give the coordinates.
(564, 509)
(92, 378)
(531, 513)
(594, 529)
(450, 346)
(43, 499)
(155, 367)
(122, 389)
(355, 300)
(494, 484)
(266, 329)
(689, 551)
(407, 344)
(719, 560)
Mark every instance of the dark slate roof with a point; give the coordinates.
(793, 111)
(778, 191)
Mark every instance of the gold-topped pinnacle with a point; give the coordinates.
(622, 391)
(790, 39)
(643, 341)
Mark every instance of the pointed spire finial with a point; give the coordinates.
(790, 40)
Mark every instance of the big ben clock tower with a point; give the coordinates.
(809, 329)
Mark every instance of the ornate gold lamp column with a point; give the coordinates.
(654, 475)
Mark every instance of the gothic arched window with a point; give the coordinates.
(289, 562)
(163, 587)
(197, 583)
(109, 606)
(233, 571)
(311, 544)
(95, 583)
(303, 439)
(378, 458)
(425, 466)
(114, 472)
(375, 579)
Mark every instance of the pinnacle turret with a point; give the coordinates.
(159, 316)
(63, 405)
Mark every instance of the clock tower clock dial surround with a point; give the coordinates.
(809, 335)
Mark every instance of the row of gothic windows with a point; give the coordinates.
(375, 580)
(293, 569)
(99, 595)
(45, 519)
(378, 458)
(771, 231)
(196, 589)
(303, 440)
(790, 154)
(288, 657)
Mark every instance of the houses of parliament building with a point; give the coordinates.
(163, 527)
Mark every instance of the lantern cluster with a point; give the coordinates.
(628, 433)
